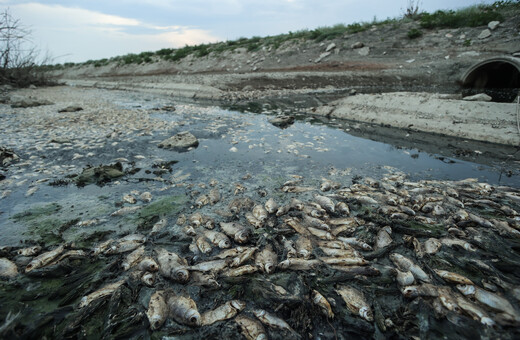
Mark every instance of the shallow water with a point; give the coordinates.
(240, 150)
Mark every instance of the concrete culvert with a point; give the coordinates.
(498, 77)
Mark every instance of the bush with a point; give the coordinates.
(469, 17)
(414, 33)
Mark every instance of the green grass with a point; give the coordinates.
(473, 16)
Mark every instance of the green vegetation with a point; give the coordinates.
(479, 15)
(414, 33)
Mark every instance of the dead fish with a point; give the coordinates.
(223, 312)
(324, 305)
(125, 211)
(242, 257)
(313, 211)
(31, 191)
(260, 213)
(157, 311)
(237, 231)
(283, 210)
(342, 208)
(239, 271)
(29, 251)
(214, 196)
(288, 245)
(148, 264)
(404, 278)
(251, 329)
(405, 264)
(315, 223)
(100, 293)
(203, 245)
(217, 238)
(147, 278)
(102, 247)
(425, 289)
(326, 203)
(159, 226)
(296, 189)
(303, 247)
(344, 261)
(44, 259)
(327, 185)
(238, 204)
(196, 219)
(239, 188)
(407, 210)
(251, 219)
(271, 320)
(489, 299)
(474, 311)
(183, 310)
(88, 223)
(356, 302)
(353, 241)
(299, 264)
(365, 200)
(323, 234)
(213, 182)
(172, 265)
(129, 199)
(202, 200)
(132, 258)
(8, 269)
(126, 243)
(340, 252)
(146, 197)
(181, 220)
(271, 206)
(266, 259)
(383, 238)
(450, 242)
(431, 246)
(453, 277)
(209, 266)
(294, 223)
(204, 280)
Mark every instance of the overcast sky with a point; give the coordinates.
(72, 30)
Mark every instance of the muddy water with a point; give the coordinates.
(247, 157)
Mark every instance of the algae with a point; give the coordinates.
(37, 212)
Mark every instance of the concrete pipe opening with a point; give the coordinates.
(498, 77)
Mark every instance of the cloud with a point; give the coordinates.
(77, 34)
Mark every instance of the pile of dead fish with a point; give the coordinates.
(452, 245)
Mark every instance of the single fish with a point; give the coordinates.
(214, 196)
(125, 211)
(29, 251)
(272, 321)
(129, 199)
(404, 278)
(405, 264)
(266, 260)
(8, 269)
(132, 258)
(217, 238)
(209, 266)
(453, 277)
(326, 203)
(236, 231)
(260, 213)
(183, 310)
(271, 206)
(239, 271)
(303, 247)
(172, 265)
(44, 259)
(203, 245)
(146, 197)
(223, 312)
(242, 257)
(324, 305)
(159, 226)
(157, 310)
(251, 329)
(356, 302)
(299, 264)
(105, 291)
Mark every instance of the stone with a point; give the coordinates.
(481, 97)
(322, 56)
(356, 45)
(7, 156)
(282, 121)
(330, 47)
(29, 102)
(100, 175)
(180, 142)
(484, 34)
(71, 108)
(364, 51)
(493, 25)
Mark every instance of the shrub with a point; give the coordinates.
(469, 17)
(414, 33)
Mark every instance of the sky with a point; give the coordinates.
(77, 31)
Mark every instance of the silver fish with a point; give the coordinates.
(235, 230)
(406, 264)
(223, 312)
(106, 290)
(356, 302)
(172, 265)
(44, 259)
(183, 310)
(326, 203)
(7, 269)
(271, 206)
(322, 303)
(266, 259)
(157, 311)
(251, 329)
(217, 238)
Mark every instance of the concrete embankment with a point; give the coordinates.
(481, 121)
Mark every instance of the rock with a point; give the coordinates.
(7, 156)
(180, 142)
(484, 34)
(282, 121)
(330, 47)
(364, 51)
(32, 87)
(356, 45)
(481, 97)
(493, 25)
(100, 174)
(29, 102)
(71, 108)
(322, 56)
